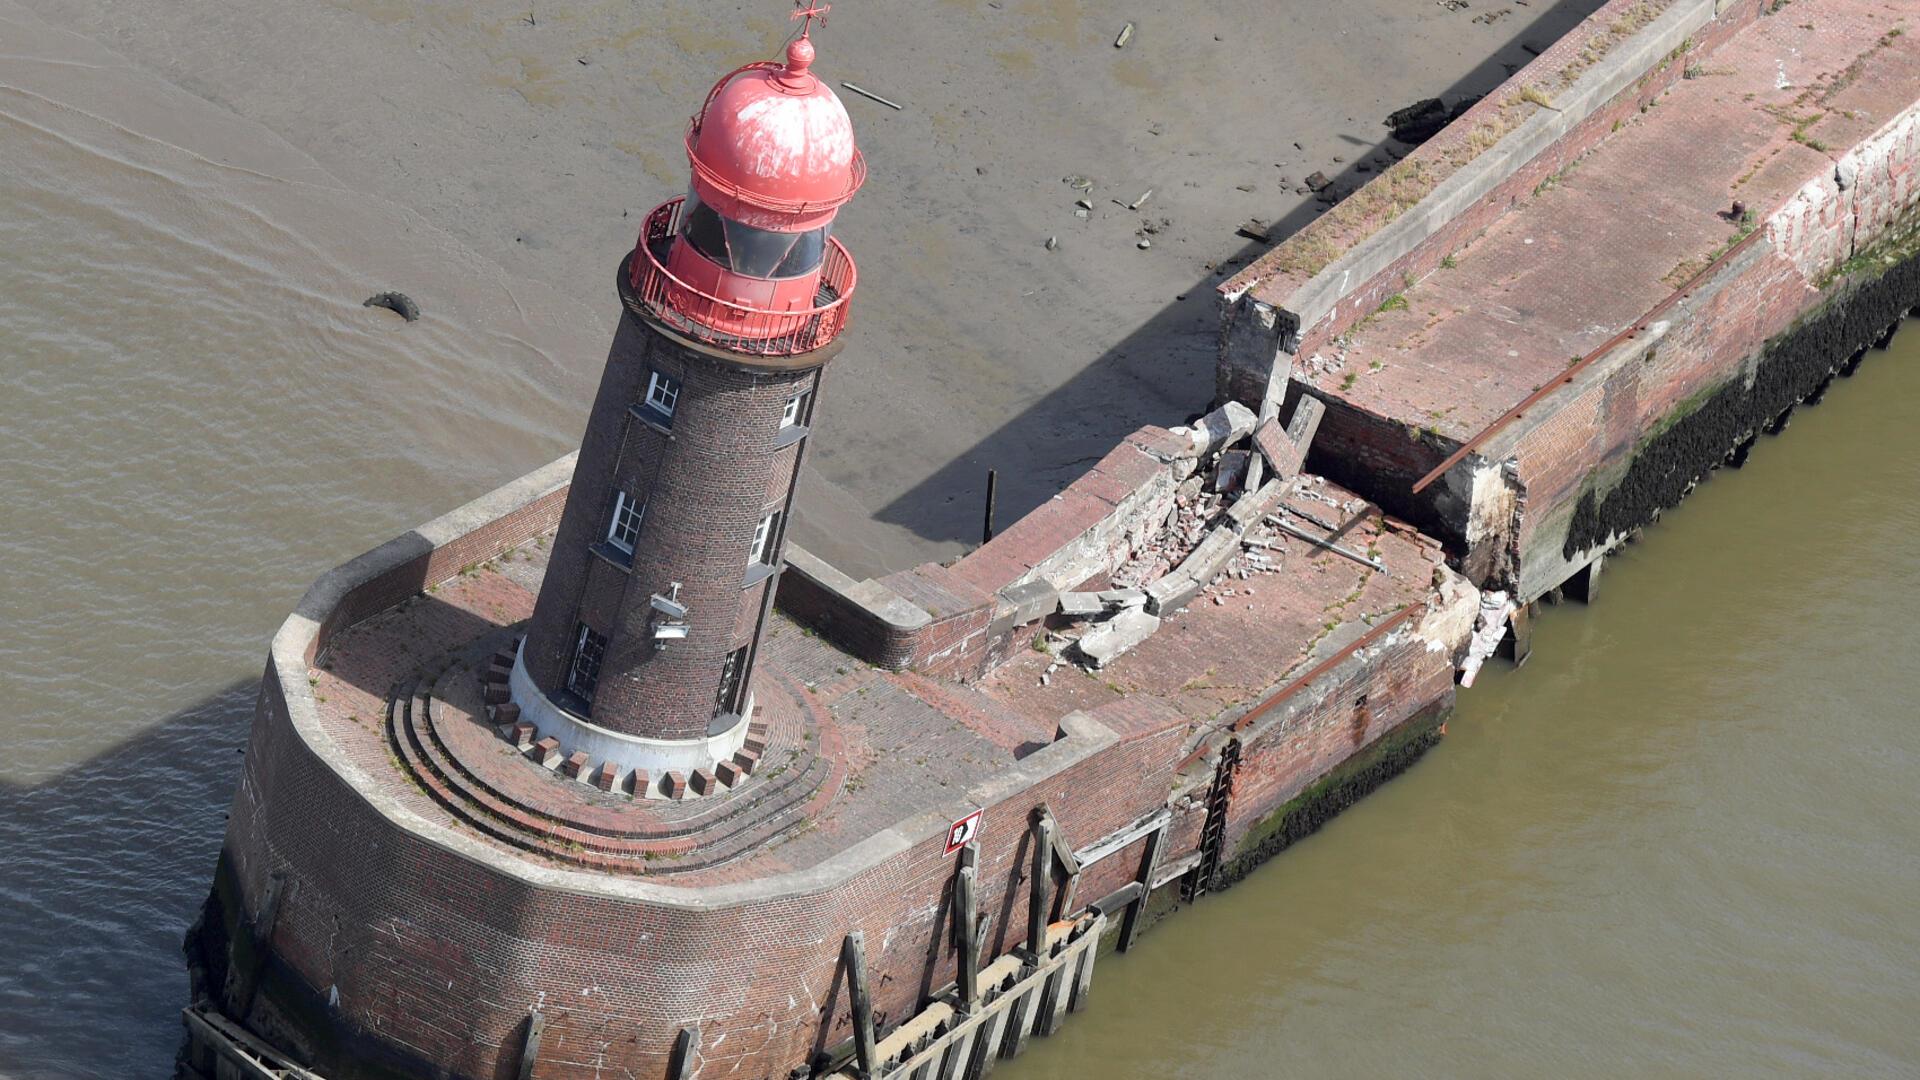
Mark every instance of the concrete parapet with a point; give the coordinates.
(1401, 225)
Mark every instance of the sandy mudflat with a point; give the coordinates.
(538, 134)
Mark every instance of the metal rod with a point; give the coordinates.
(993, 484)
(1363, 560)
(871, 96)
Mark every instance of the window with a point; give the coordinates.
(766, 537)
(702, 228)
(663, 393)
(744, 249)
(588, 649)
(624, 528)
(733, 678)
(796, 411)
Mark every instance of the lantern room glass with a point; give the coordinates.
(744, 249)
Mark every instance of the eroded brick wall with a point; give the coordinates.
(1337, 717)
(418, 957)
(1734, 331)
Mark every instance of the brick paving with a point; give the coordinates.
(1616, 232)
(1240, 638)
(852, 749)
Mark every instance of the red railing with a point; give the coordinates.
(724, 323)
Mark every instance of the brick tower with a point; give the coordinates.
(641, 648)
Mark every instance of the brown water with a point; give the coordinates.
(1682, 841)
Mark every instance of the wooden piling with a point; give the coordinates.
(853, 956)
(1149, 865)
(966, 928)
(530, 1050)
(685, 1046)
(1038, 887)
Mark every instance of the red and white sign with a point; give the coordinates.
(962, 832)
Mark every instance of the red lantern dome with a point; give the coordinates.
(773, 146)
(746, 261)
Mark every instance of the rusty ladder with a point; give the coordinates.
(1213, 834)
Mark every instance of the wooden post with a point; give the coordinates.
(1053, 999)
(966, 926)
(1068, 863)
(993, 481)
(530, 1050)
(1149, 865)
(685, 1045)
(987, 1046)
(1038, 886)
(958, 1056)
(853, 955)
(1083, 981)
(1020, 1018)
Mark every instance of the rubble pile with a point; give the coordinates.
(1226, 524)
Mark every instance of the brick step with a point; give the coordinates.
(792, 771)
(508, 821)
(434, 784)
(754, 832)
(481, 806)
(783, 765)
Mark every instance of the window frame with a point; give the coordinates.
(663, 393)
(625, 505)
(766, 537)
(794, 413)
(583, 685)
(733, 682)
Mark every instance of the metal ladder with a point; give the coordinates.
(1213, 833)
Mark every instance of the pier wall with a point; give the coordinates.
(1317, 284)
(370, 942)
(1828, 274)
(1775, 312)
(1332, 741)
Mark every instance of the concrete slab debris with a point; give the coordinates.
(1231, 471)
(1030, 600)
(1222, 427)
(1496, 608)
(1286, 450)
(1112, 639)
(1251, 506)
(1081, 605)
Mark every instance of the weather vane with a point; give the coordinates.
(805, 9)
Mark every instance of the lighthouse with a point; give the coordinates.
(643, 642)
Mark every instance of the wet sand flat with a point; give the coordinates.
(539, 134)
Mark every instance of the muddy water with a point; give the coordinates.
(1683, 840)
(197, 416)
(1680, 842)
